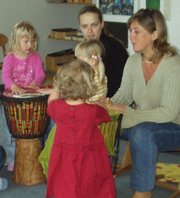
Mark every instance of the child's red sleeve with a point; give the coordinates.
(102, 115)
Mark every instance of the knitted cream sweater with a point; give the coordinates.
(158, 100)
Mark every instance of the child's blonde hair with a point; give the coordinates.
(92, 49)
(20, 30)
(74, 80)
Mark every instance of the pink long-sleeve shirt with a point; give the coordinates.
(22, 72)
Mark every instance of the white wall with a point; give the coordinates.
(174, 24)
(171, 11)
(45, 16)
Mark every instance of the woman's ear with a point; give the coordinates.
(154, 35)
(102, 25)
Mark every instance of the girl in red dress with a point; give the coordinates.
(79, 165)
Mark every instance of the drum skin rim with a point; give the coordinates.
(8, 98)
(29, 99)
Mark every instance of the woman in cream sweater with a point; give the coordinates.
(151, 81)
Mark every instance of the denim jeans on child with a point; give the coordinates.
(146, 140)
(6, 140)
(3, 181)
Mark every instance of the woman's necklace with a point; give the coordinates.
(149, 69)
(147, 61)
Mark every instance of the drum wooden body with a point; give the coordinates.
(27, 121)
(27, 170)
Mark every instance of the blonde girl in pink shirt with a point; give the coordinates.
(22, 68)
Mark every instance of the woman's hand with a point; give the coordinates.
(103, 102)
(120, 108)
(98, 102)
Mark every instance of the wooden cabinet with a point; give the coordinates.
(66, 34)
(56, 60)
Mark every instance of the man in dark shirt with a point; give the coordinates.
(92, 26)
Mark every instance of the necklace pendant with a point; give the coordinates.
(148, 61)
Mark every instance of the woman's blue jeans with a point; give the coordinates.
(146, 140)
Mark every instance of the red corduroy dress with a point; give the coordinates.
(79, 165)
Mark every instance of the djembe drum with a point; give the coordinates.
(27, 121)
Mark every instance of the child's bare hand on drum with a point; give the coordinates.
(33, 85)
(54, 95)
(17, 90)
(45, 90)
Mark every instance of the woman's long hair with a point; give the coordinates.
(153, 20)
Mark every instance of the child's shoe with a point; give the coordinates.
(3, 183)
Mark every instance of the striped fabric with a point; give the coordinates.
(101, 87)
